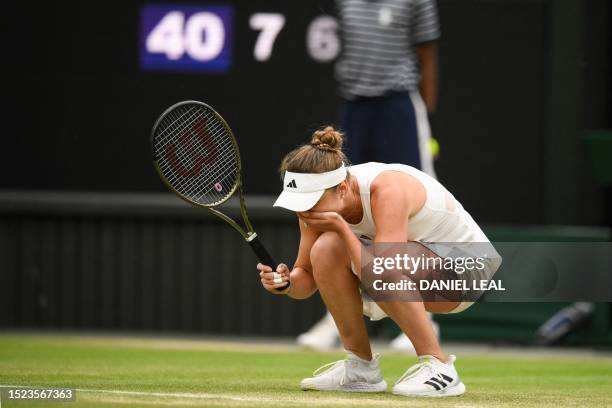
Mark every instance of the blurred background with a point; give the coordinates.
(91, 239)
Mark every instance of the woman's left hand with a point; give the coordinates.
(322, 220)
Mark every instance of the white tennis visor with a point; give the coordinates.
(301, 191)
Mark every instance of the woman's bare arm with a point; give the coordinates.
(393, 197)
(302, 283)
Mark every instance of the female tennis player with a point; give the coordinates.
(337, 205)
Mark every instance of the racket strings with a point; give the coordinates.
(170, 139)
(174, 117)
(189, 160)
(192, 185)
(226, 184)
(196, 154)
(171, 131)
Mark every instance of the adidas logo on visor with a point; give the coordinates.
(292, 184)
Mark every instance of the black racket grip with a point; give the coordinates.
(264, 257)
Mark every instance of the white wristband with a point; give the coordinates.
(278, 278)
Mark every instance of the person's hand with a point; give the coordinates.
(271, 280)
(322, 220)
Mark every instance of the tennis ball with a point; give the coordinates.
(434, 147)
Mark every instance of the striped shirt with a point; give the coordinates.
(378, 44)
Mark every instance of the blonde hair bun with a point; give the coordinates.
(327, 139)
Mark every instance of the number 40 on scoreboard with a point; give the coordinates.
(200, 38)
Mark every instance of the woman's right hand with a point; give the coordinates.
(272, 280)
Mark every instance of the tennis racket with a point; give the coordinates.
(196, 155)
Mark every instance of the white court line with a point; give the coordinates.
(172, 395)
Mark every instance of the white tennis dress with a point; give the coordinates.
(441, 220)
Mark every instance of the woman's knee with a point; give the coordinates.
(328, 251)
(329, 246)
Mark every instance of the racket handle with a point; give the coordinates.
(264, 257)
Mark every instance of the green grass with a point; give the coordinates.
(214, 374)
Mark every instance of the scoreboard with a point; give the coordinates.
(200, 38)
(266, 66)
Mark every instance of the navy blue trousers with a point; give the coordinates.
(381, 129)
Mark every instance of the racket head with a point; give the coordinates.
(196, 154)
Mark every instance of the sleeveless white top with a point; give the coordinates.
(442, 218)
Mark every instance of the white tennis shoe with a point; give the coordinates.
(350, 375)
(430, 378)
